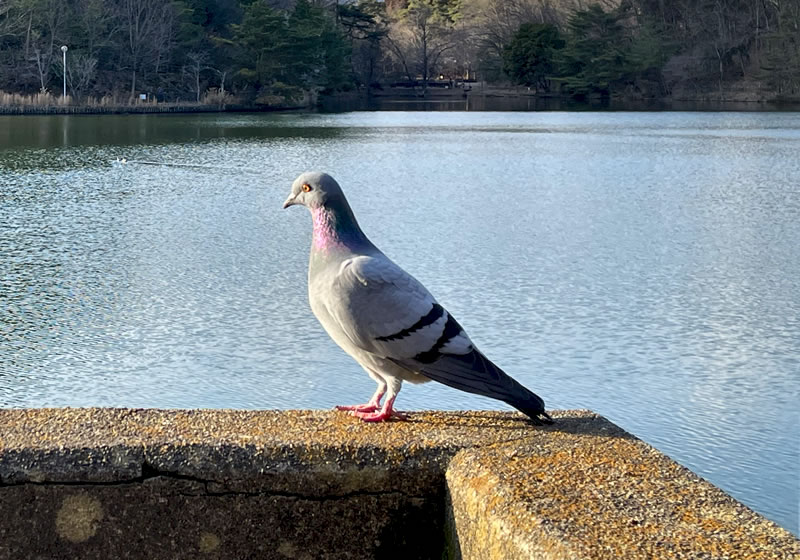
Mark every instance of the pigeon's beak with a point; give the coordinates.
(289, 202)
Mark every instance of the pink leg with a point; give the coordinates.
(373, 404)
(384, 413)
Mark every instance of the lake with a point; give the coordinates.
(643, 265)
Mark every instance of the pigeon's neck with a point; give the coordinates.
(336, 229)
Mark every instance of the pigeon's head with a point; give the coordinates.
(315, 190)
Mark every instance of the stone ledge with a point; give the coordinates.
(102, 483)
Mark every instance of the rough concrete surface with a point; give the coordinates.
(119, 483)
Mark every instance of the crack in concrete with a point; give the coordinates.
(150, 472)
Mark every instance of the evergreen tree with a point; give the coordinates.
(606, 52)
(530, 58)
(318, 51)
(596, 51)
(263, 43)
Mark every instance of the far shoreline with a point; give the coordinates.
(488, 99)
(21, 110)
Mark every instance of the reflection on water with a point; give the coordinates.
(501, 101)
(643, 265)
(65, 131)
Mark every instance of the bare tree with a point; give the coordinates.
(364, 25)
(197, 63)
(80, 74)
(46, 23)
(43, 58)
(419, 38)
(8, 20)
(491, 25)
(163, 39)
(222, 75)
(96, 23)
(143, 23)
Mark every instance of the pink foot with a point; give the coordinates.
(368, 407)
(378, 416)
(385, 413)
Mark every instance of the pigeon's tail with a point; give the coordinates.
(531, 407)
(475, 373)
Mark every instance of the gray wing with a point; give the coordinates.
(386, 311)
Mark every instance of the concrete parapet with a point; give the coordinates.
(119, 483)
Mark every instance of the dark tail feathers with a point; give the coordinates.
(475, 373)
(533, 407)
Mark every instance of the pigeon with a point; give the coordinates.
(386, 319)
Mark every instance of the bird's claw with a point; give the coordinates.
(368, 407)
(380, 415)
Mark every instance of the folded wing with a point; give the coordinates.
(386, 311)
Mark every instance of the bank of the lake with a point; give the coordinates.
(515, 100)
(49, 104)
(478, 97)
(147, 108)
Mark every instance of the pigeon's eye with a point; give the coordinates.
(306, 187)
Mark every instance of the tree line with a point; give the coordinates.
(653, 48)
(266, 50)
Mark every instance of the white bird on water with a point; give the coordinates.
(384, 318)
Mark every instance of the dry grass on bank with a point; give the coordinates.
(47, 99)
(35, 100)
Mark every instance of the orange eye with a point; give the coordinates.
(306, 187)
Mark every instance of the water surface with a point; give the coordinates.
(643, 265)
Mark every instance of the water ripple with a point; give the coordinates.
(643, 265)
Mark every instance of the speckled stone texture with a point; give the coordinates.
(118, 483)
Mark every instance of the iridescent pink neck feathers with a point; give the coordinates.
(325, 236)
